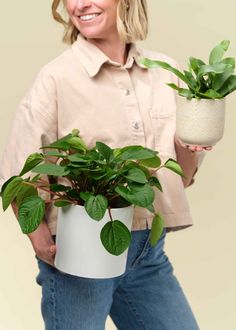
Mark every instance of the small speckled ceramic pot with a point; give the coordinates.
(200, 121)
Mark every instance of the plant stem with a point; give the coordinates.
(47, 201)
(157, 169)
(109, 211)
(49, 191)
(114, 196)
(43, 181)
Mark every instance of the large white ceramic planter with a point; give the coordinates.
(79, 249)
(200, 121)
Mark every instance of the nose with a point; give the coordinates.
(83, 4)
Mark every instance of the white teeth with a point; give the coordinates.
(88, 17)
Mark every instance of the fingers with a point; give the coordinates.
(52, 249)
(43, 243)
(197, 148)
(191, 147)
(48, 256)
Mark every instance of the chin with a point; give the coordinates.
(92, 35)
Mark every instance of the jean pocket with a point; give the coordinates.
(158, 248)
(142, 247)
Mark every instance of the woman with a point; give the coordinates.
(99, 87)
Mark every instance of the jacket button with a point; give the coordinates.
(126, 92)
(136, 125)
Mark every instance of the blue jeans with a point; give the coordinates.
(146, 297)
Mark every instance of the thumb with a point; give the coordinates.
(52, 249)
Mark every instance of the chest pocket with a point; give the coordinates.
(163, 121)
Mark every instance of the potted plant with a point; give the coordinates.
(100, 188)
(200, 113)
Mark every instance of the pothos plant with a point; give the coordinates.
(213, 80)
(99, 178)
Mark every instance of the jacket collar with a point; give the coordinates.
(92, 58)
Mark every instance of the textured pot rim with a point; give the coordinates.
(201, 100)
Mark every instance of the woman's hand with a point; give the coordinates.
(43, 243)
(191, 147)
(188, 158)
(41, 240)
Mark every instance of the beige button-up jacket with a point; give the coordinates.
(119, 105)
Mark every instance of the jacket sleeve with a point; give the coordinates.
(34, 125)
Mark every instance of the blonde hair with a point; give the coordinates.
(132, 21)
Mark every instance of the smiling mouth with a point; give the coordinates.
(89, 17)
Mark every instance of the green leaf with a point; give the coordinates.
(230, 61)
(210, 94)
(155, 64)
(229, 86)
(214, 68)
(67, 142)
(25, 191)
(96, 206)
(104, 150)
(31, 162)
(136, 175)
(85, 195)
(143, 167)
(137, 194)
(75, 132)
(73, 193)
(61, 203)
(60, 144)
(93, 154)
(125, 193)
(151, 162)
(182, 91)
(156, 230)
(64, 162)
(99, 175)
(195, 64)
(35, 178)
(143, 195)
(172, 165)
(31, 213)
(219, 79)
(186, 93)
(153, 181)
(10, 191)
(55, 154)
(51, 169)
(217, 52)
(117, 152)
(115, 237)
(7, 182)
(111, 174)
(79, 158)
(136, 152)
(225, 44)
(133, 164)
(151, 208)
(192, 83)
(59, 187)
(76, 142)
(174, 86)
